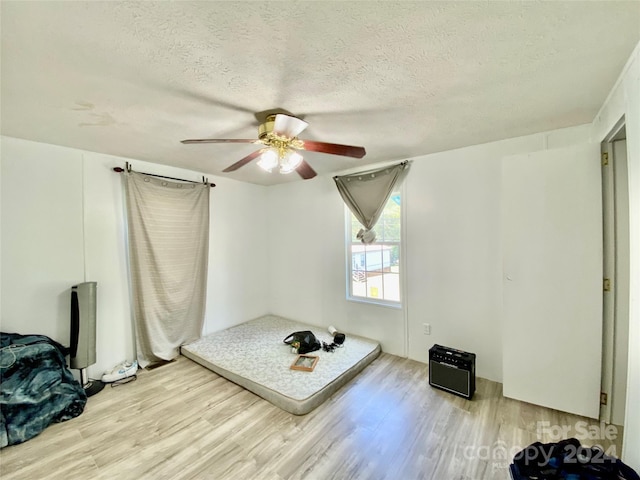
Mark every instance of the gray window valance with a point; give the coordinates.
(366, 194)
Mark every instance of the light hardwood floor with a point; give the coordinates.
(181, 421)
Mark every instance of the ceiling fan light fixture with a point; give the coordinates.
(278, 137)
(268, 160)
(290, 162)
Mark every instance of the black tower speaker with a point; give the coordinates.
(83, 333)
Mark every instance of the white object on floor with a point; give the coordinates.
(120, 371)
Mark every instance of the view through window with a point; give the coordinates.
(374, 269)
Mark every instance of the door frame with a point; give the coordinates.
(610, 218)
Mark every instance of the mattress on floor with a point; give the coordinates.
(254, 356)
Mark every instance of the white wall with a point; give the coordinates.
(63, 222)
(42, 245)
(624, 100)
(307, 278)
(453, 255)
(236, 286)
(454, 262)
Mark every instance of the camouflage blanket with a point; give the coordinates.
(36, 387)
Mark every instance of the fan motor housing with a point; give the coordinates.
(267, 127)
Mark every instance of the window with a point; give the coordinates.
(374, 269)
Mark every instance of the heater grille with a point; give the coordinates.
(83, 325)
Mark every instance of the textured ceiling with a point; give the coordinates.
(400, 78)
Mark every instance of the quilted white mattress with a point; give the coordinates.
(254, 356)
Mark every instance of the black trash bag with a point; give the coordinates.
(307, 340)
(568, 459)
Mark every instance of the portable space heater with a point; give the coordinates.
(452, 370)
(83, 333)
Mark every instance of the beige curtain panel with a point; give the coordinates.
(366, 194)
(168, 237)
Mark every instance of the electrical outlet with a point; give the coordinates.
(426, 328)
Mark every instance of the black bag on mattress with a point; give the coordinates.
(307, 340)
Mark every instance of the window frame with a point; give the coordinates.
(401, 263)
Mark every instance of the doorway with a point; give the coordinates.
(615, 339)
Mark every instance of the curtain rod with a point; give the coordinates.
(128, 167)
(404, 162)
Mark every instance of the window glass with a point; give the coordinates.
(374, 269)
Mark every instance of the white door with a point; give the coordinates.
(552, 278)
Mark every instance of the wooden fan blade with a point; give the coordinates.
(287, 126)
(334, 149)
(243, 162)
(305, 170)
(220, 140)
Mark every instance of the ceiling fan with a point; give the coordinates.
(279, 136)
